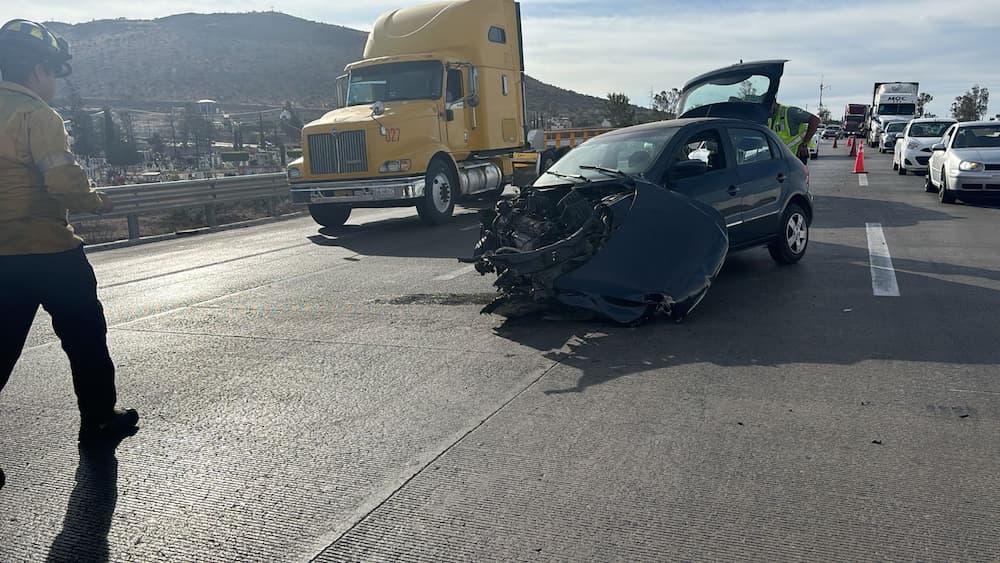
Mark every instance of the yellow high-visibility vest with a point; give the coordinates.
(784, 130)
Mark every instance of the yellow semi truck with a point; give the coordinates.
(433, 112)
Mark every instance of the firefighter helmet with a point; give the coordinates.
(23, 40)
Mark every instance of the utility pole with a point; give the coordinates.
(821, 88)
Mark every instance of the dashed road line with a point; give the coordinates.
(459, 272)
(863, 180)
(883, 275)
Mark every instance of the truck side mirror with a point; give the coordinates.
(473, 100)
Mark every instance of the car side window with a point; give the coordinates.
(751, 146)
(705, 146)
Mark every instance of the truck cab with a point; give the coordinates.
(431, 113)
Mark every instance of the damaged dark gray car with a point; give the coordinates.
(639, 220)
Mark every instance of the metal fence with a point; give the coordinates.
(135, 199)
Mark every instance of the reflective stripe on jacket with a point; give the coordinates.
(40, 180)
(784, 130)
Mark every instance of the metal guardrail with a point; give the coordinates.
(134, 199)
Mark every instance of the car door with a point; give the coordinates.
(761, 173)
(718, 185)
(937, 157)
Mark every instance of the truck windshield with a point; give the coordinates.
(418, 80)
(897, 109)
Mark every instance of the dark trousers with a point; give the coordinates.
(64, 284)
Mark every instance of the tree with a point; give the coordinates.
(157, 145)
(618, 110)
(972, 105)
(922, 101)
(823, 114)
(748, 91)
(667, 101)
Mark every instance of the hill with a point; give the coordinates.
(257, 58)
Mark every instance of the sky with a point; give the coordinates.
(643, 46)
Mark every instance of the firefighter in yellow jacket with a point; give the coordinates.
(41, 259)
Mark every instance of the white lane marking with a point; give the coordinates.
(469, 228)
(459, 272)
(883, 275)
(862, 180)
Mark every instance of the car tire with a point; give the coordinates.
(440, 193)
(330, 215)
(943, 195)
(793, 238)
(928, 185)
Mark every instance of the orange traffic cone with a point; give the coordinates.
(850, 142)
(834, 142)
(854, 146)
(859, 163)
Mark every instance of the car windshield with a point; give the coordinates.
(726, 89)
(929, 129)
(978, 136)
(419, 80)
(897, 109)
(896, 127)
(632, 152)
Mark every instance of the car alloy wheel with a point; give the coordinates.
(793, 239)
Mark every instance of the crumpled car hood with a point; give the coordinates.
(624, 250)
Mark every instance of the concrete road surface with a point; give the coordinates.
(336, 396)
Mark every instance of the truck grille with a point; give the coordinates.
(337, 154)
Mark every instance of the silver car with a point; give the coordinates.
(966, 163)
(913, 151)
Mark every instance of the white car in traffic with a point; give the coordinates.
(890, 132)
(966, 162)
(913, 150)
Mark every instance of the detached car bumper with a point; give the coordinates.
(359, 191)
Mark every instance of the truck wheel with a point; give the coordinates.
(330, 214)
(440, 192)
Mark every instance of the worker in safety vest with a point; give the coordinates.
(41, 260)
(793, 125)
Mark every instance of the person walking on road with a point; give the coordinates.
(41, 259)
(795, 126)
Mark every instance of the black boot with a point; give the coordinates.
(120, 425)
(3, 478)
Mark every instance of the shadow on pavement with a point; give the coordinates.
(84, 536)
(758, 314)
(833, 212)
(406, 237)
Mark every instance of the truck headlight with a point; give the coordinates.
(394, 166)
(970, 166)
(294, 173)
(913, 145)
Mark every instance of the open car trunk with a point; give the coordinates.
(741, 91)
(623, 249)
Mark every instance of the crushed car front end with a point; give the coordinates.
(622, 249)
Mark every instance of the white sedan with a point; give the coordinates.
(913, 149)
(966, 162)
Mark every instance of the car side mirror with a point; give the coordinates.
(688, 169)
(937, 147)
